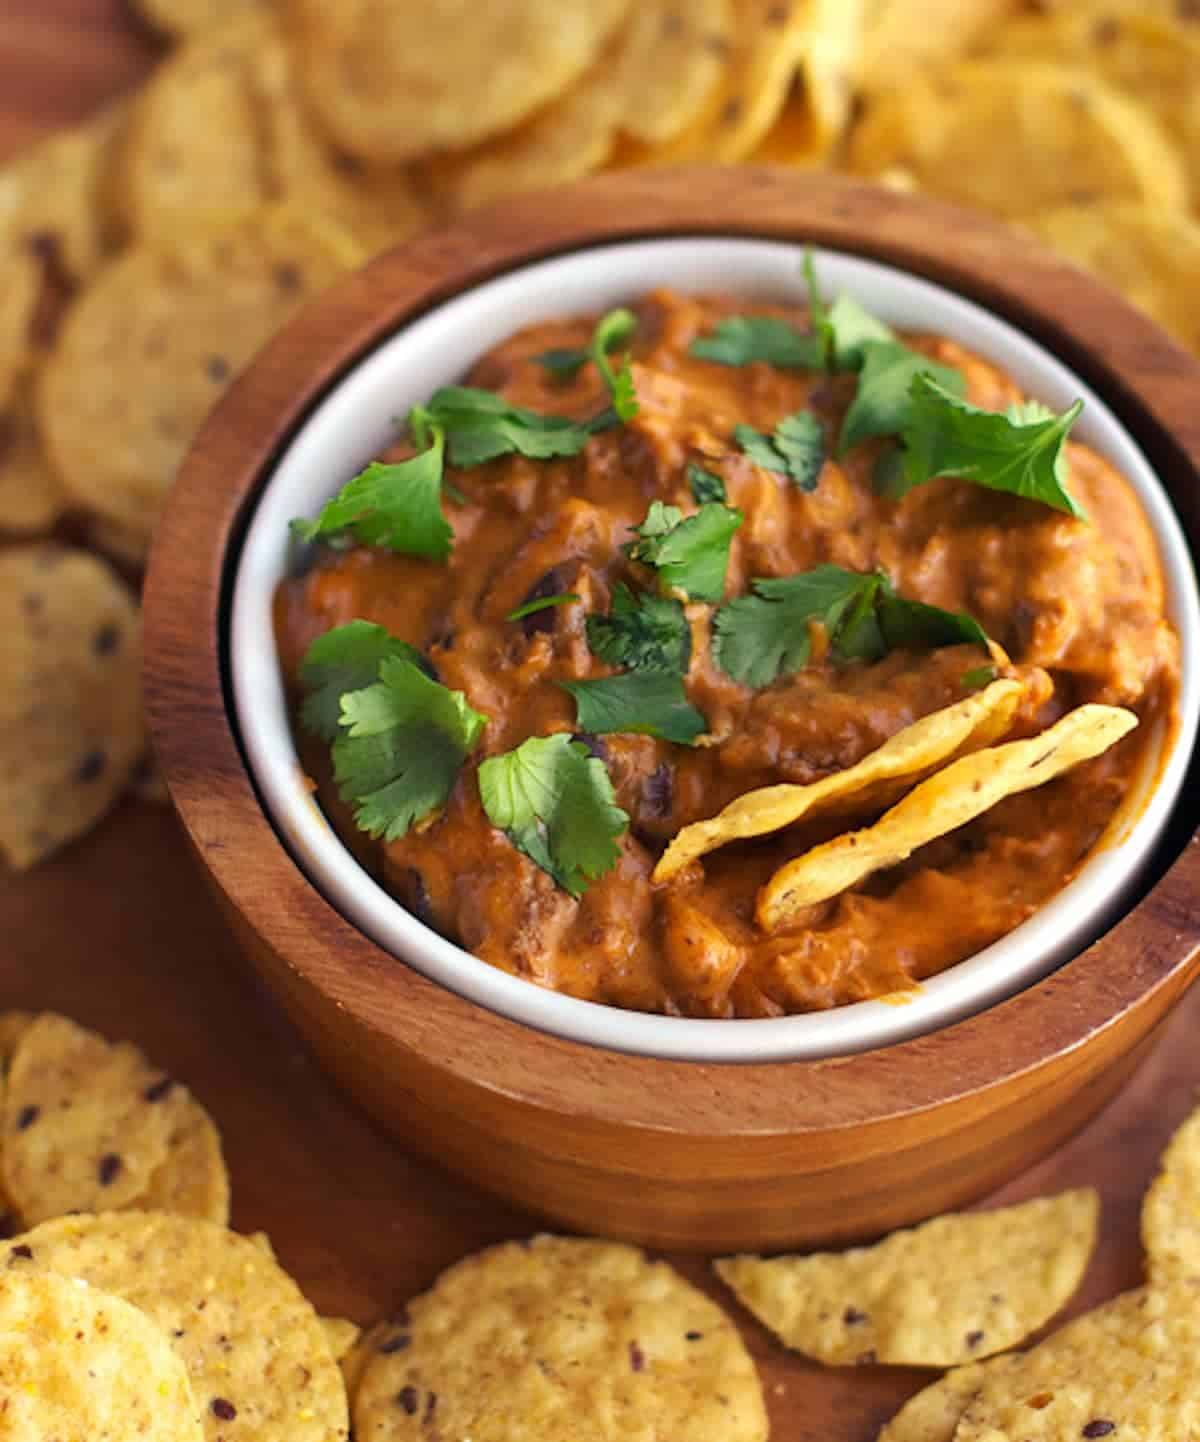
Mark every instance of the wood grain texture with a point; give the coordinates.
(673, 1154)
(120, 932)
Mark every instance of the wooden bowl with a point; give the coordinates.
(673, 1154)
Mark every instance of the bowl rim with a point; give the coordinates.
(355, 421)
(1146, 379)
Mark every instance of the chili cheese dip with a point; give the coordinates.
(639, 566)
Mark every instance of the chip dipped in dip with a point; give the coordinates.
(641, 566)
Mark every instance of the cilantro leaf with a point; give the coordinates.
(564, 362)
(883, 402)
(649, 703)
(690, 555)
(555, 803)
(347, 658)
(706, 485)
(481, 425)
(1021, 451)
(851, 327)
(760, 637)
(402, 744)
(612, 330)
(645, 633)
(796, 448)
(395, 505)
(818, 314)
(978, 677)
(739, 340)
(540, 603)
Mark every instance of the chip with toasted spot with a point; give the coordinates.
(957, 1289)
(961, 791)
(934, 1413)
(875, 781)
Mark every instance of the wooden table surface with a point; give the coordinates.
(120, 933)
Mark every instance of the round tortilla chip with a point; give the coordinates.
(957, 1289)
(193, 154)
(259, 1363)
(86, 1122)
(1066, 135)
(98, 1369)
(560, 1337)
(154, 343)
(192, 1180)
(341, 1335)
(32, 498)
(1171, 1209)
(189, 17)
(672, 55)
(875, 781)
(1151, 255)
(900, 36)
(935, 1412)
(71, 727)
(392, 82)
(961, 791)
(1133, 1363)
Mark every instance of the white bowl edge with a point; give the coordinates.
(356, 421)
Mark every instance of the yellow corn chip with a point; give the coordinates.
(75, 1363)
(1171, 1210)
(20, 285)
(341, 1335)
(670, 59)
(935, 1412)
(191, 1181)
(877, 779)
(189, 17)
(32, 498)
(955, 1290)
(966, 788)
(902, 35)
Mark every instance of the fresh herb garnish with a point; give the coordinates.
(644, 633)
(706, 485)
(401, 744)
(740, 339)
(760, 637)
(481, 425)
(611, 330)
(650, 703)
(396, 505)
(347, 658)
(979, 677)
(796, 448)
(690, 554)
(1020, 450)
(564, 362)
(540, 603)
(883, 403)
(555, 803)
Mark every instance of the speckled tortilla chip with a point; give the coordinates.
(935, 1412)
(76, 1363)
(86, 1122)
(71, 727)
(259, 1363)
(964, 789)
(32, 498)
(341, 1336)
(155, 342)
(1066, 134)
(560, 1338)
(1171, 1209)
(1128, 1370)
(190, 17)
(877, 779)
(13, 1025)
(393, 82)
(955, 1290)
(192, 1180)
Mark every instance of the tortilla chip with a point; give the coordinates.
(935, 1412)
(559, 1338)
(1129, 1369)
(391, 83)
(188, 17)
(1171, 1209)
(963, 790)
(353, 1361)
(20, 285)
(155, 342)
(54, 197)
(194, 153)
(900, 36)
(1066, 135)
(98, 1368)
(379, 207)
(671, 57)
(874, 782)
(86, 1123)
(341, 1335)
(254, 1348)
(1151, 255)
(71, 726)
(192, 1180)
(13, 1026)
(768, 43)
(32, 498)
(955, 1290)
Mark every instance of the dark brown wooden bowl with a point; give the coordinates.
(674, 1154)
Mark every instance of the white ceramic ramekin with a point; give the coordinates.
(358, 420)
